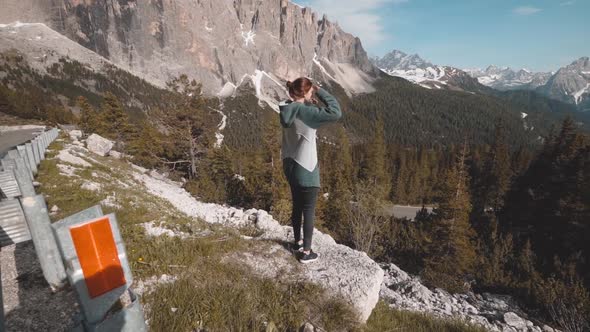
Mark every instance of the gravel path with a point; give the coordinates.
(29, 303)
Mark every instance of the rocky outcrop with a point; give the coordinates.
(346, 273)
(219, 43)
(494, 312)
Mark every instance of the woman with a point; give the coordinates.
(300, 120)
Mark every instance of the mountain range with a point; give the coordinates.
(505, 78)
(90, 47)
(570, 84)
(417, 70)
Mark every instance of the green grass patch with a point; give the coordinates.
(219, 297)
(63, 191)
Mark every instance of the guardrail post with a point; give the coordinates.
(31, 157)
(42, 140)
(35, 146)
(23, 154)
(85, 240)
(23, 178)
(41, 148)
(45, 245)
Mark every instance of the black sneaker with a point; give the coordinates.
(297, 246)
(312, 256)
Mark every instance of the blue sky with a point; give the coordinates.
(540, 35)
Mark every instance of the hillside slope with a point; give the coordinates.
(182, 249)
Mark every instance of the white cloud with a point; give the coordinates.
(526, 10)
(358, 17)
(567, 3)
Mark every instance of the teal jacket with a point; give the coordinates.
(302, 120)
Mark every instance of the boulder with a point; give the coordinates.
(75, 134)
(515, 321)
(115, 154)
(99, 145)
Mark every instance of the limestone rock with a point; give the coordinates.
(307, 327)
(99, 145)
(342, 271)
(75, 134)
(515, 321)
(115, 154)
(494, 312)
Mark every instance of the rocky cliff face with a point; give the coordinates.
(571, 84)
(219, 43)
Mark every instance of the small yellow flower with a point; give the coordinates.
(140, 259)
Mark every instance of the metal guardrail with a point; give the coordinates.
(73, 249)
(16, 182)
(14, 226)
(8, 185)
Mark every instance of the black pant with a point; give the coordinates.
(304, 199)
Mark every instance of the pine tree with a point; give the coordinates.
(496, 174)
(183, 121)
(451, 253)
(374, 168)
(280, 204)
(112, 121)
(146, 145)
(337, 208)
(88, 116)
(400, 188)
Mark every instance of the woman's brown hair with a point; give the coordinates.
(299, 87)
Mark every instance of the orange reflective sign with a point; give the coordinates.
(98, 256)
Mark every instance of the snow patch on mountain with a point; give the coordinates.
(218, 135)
(419, 75)
(578, 95)
(248, 37)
